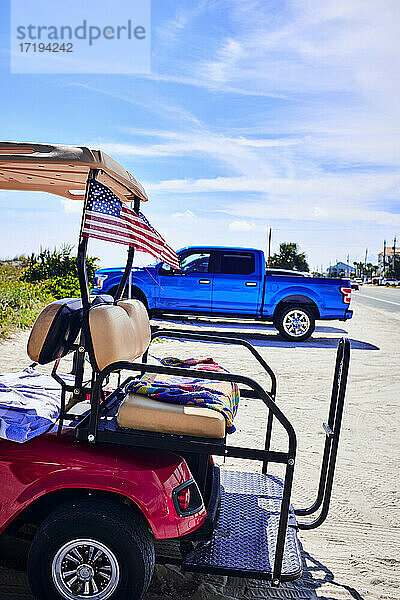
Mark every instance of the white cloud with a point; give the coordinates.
(337, 45)
(324, 198)
(242, 154)
(187, 215)
(243, 226)
(171, 31)
(324, 186)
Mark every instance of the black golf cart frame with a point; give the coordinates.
(88, 428)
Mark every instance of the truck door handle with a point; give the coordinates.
(251, 283)
(204, 281)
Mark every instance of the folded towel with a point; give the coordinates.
(29, 404)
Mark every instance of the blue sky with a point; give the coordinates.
(255, 114)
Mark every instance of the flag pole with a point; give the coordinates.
(82, 247)
(129, 262)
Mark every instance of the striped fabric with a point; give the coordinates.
(106, 218)
(222, 396)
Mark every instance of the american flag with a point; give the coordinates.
(106, 218)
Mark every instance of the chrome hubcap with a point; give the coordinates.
(86, 569)
(85, 572)
(296, 323)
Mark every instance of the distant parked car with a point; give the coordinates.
(390, 281)
(359, 280)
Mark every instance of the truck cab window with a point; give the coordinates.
(237, 264)
(195, 263)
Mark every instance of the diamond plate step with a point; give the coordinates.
(244, 539)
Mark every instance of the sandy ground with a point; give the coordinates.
(354, 555)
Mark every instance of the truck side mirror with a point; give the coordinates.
(168, 270)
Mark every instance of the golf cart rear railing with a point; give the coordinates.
(331, 428)
(332, 432)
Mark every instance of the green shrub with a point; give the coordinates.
(62, 287)
(56, 264)
(20, 302)
(28, 284)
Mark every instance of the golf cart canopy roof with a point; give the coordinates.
(63, 170)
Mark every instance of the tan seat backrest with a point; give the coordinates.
(119, 332)
(55, 330)
(139, 317)
(40, 331)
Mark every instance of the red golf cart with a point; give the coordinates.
(131, 480)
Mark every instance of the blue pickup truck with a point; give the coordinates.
(234, 282)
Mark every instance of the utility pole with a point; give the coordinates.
(365, 261)
(269, 246)
(394, 253)
(348, 265)
(384, 257)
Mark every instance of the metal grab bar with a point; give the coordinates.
(223, 340)
(332, 430)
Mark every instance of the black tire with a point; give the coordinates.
(300, 332)
(117, 528)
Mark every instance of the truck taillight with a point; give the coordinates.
(346, 294)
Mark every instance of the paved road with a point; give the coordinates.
(387, 299)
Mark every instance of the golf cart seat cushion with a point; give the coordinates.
(145, 414)
(119, 332)
(55, 330)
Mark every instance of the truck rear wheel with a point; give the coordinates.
(91, 550)
(295, 323)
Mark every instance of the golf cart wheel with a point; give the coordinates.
(91, 550)
(295, 323)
